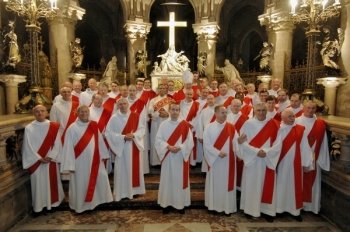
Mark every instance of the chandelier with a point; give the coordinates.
(314, 13)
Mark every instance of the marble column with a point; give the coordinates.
(343, 97)
(136, 34)
(330, 84)
(61, 33)
(280, 34)
(207, 34)
(11, 88)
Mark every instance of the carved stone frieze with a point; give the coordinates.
(206, 31)
(136, 30)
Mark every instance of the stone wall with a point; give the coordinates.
(15, 194)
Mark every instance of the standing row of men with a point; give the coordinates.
(226, 136)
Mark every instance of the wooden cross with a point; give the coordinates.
(171, 24)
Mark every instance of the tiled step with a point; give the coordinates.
(149, 200)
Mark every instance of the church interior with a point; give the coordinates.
(46, 43)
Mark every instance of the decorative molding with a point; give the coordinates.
(12, 79)
(206, 31)
(277, 20)
(136, 30)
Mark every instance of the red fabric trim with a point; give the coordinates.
(193, 111)
(131, 127)
(72, 117)
(181, 130)
(91, 131)
(294, 136)
(228, 132)
(246, 109)
(269, 131)
(108, 107)
(47, 144)
(315, 136)
(240, 121)
(228, 101)
(138, 106)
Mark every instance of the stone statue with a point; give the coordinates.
(202, 63)
(77, 54)
(173, 62)
(111, 71)
(45, 70)
(140, 63)
(265, 57)
(230, 72)
(11, 47)
(156, 68)
(330, 50)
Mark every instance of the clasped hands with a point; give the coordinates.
(129, 137)
(174, 149)
(45, 160)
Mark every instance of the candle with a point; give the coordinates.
(294, 4)
(125, 62)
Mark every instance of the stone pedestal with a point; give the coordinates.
(330, 84)
(136, 34)
(265, 79)
(206, 38)
(77, 76)
(280, 34)
(11, 88)
(61, 33)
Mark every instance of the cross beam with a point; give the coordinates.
(171, 24)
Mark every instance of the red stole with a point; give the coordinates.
(316, 135)
(180, 131)
(138, 106)
(190, 115)
(228, 101)
(299, 113)
(75, 98)
(248, 101)
(269, 131)
(278, 117)
(147, 95)
(91, 131)
(131, 127)
(294, 136)
(108, 107)
(246, 109)
(180, 95)
(214, 93)
(47, 144)
(161, 103)
(238, 125)
(117, 97)
(72, 117)
(228, 132)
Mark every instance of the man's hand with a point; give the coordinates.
(262, 154)
(242, 138)
(222, 154)
(129, 137)
(174, 149)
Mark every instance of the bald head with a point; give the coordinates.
(288, 117)
(40, 113)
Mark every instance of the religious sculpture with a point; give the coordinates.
(265, 56)
(45, 70)
(173, 62)
(230, 72)
(11, 47)
(111, 71)
(77, 54)
(140, 63)
(202, 63)
(330, 51)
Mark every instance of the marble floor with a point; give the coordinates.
(155, 221)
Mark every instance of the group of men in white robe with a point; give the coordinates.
(276, 167)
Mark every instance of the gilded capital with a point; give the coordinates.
(136, 30)
(206, 31)
(277, 21)
(68, 13)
